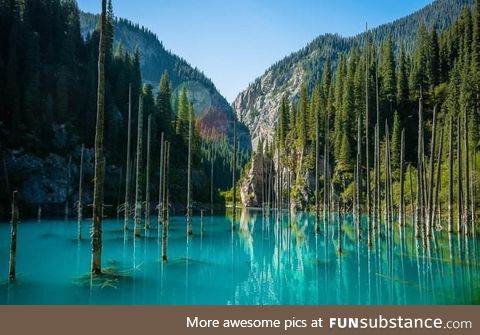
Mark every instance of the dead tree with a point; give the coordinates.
(129, 166)
(450, 177)
(80, 196)
(99, 173)
(13, 238)
(138, 187)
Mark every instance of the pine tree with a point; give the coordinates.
(283, 121)
(164, 105)
(344, 159)
(433, 64)
(387, 80)
(396, 142)
(183, 114)
(402, 81)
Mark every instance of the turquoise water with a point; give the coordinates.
(265, 261)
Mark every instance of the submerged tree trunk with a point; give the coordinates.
(388, 180)
(13, 238)
(459, 177)
(358, 182)
(474, 191)
(402, 180)
(317, 172)
(160, 183)
(412, 199)
(166, 165)
(189, 178)
(138, 187)
(67, 188)
(430, 175)
(450, 177)
(234, 179)
(147, 179)
(439, 178)
(99, 173)
(467, 176)
(211, 181)
(367, 134)
(129, 166)
(80, 195)
(420, 203)
(325, 169)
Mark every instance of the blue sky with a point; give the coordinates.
(233, 42)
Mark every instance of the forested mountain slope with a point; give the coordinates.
(214, 112)
(258, 105)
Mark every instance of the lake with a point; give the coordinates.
(265, 261)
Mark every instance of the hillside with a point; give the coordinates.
(155, 60)
(257, 106)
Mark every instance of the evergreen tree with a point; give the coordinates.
(396, 142)
(283, 121)
(183, 114)
(387, 81)
(164, 105)
(433, 64)
(402, 81)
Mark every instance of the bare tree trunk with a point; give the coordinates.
(99, 173)
(67, 187)
(119, 191)
(388, 205)
(189, 179)
(439, 177)
(211, 181)
(234, 178)
(377, 219)
(317, 172)
(325, 170)
(375, 162)
(367, 132)
(80, 195)
(430, 175)
(459, 177)
(147, 178)
(412, 199)
(138, 187)
(450, 177)
(166, 165)
(420, 203)
(13, 238)
(129, 167)
(467, 175)
(160, 184)
(474, 192)
(402, 180)
(358, 181)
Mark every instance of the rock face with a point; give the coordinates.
(257, 106)
(301, 187)
(251, 187)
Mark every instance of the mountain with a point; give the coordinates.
(258, 105)
(212, 109)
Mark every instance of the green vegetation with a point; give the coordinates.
(441, 68)
(48, 94)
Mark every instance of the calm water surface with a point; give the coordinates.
(265, 261)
